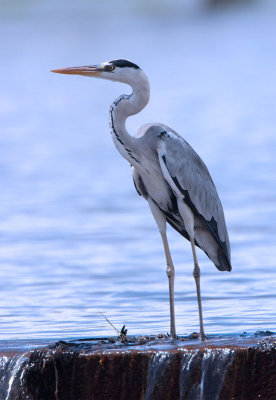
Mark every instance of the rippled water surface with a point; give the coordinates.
(75, 239)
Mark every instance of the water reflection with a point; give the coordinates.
(75, 237)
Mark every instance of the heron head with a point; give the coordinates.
(117, 70)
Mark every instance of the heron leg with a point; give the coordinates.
(196, 274)
(161, 223)
(170, 273)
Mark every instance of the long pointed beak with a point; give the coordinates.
(87, 70)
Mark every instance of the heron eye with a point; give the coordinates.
(111, 68)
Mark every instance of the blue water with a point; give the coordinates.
(75, 239)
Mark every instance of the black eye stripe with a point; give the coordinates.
(123, 64)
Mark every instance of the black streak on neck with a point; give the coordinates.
(114, 105)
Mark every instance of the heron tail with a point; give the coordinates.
(224, 261)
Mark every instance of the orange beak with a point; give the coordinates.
(87, 70)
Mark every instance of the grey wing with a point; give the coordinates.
(191, 177)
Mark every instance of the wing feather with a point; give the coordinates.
(192, 178)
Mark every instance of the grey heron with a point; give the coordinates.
(168, 173)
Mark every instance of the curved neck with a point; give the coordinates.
(120, 110)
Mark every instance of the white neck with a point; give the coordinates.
(121, 109)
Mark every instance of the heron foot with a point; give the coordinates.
(197, 335)
(172, 336)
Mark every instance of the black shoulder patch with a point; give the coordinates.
(123, 64)
(140, 187)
